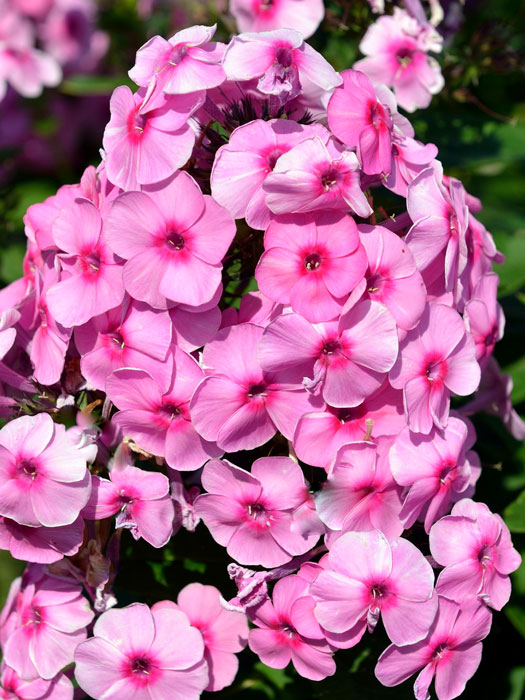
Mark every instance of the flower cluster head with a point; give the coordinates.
(245, 337)
(67, 35)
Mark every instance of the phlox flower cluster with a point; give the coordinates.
(41, 38)
(228, 327)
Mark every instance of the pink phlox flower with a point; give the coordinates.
(251, 515)
(360, 493)
(288, 631)
(258, 309)
(319, 436)
(186, 63)
(154, 411)
(131, 335)
(450, 653)
(239, 405)
(396, 49)
(50, 339)
(39, 217)
(482, 254)
(90, 278)
(52, 614)
(147, 140)
(392, 277)
(494, 397)
(282, 61)
(184, 503)
(409, 158)
(263, 15)
(12, 687)
(432, 365)
(27, 69)
(43, 545)
(173, 239)
(225, 633)
(252, 588)
(144, 654)
(43, 477)
(311, 262)
(368, 576)
(336, 359)
(314, 175)
(69, 33)
(436, 470)
(10, 337)
(475, 548)
(440, 217)
(484, 317)
(140, 500)
(242, 165)
(366, 118)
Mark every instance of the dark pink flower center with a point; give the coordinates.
(439, 651)
(177, 54)
(28, 469)
(313, 261)
(284, 56)
(258, 516)
(404, 56)
(453, 223)
(265, 5)
(331, 347)
(35, 617)
(257, 390)
(140, 666)
(288, 630)
(330, 179)
(171, 410)
(486, 555)
(491, 338)
(435, 370)
(375, 283)
(376, 114)
(91, 262)
(174, 241)
(378, 591)
(273, 157)
(117, 339)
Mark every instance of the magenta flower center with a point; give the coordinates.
(404, 56)
(171, 410)
(288, 630)
(174, 241)
(92, 262)
(329, 179)
(284, 56)
(273, 157)
(258, 516)
(35, 617)
(331, 347)
(375, 283)
(265, 5)
(439, 651)
(378, 591)
(139, 123)
(435, 370)
(313, 261)
(27, 469)
(257, 390)
(177, 54)
(116, 337)
(140, 666)
(486, 555)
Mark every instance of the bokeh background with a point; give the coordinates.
(478, 124)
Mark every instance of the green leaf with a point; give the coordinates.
(514, 515)
(276, 676)
(516, 615)
(517, 683)
(89, 85)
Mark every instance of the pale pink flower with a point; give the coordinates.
(147, 140)
(313, 176)
(154, 411)
(288, 631)
(251, 514)
(140, 500)
(241, 166)
(484, 317)
(337, 359)
(43, 476)
(224, 632)
(39, 217)
(440, 217)
(436, 470)
(366, 118)
(50, 340)
(142, 654)
(360, 493)
(312, 263)
(368, 576)
(262, 15)
(12, 687)
(409, 158)
(396, 47)
(174, 239)
(188, 62)
(494, 397)
(392, 277)
(90, 279)
(239, 405)
(451, 652)
(475, 548)
(194, 327)
(432, 365)
(43, 545)
(319, 436)
(131, 335)
(51, 616)
(281, 61)
(482, 254)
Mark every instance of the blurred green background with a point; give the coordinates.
(478, 124)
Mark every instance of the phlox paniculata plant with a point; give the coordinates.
(253, 318)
